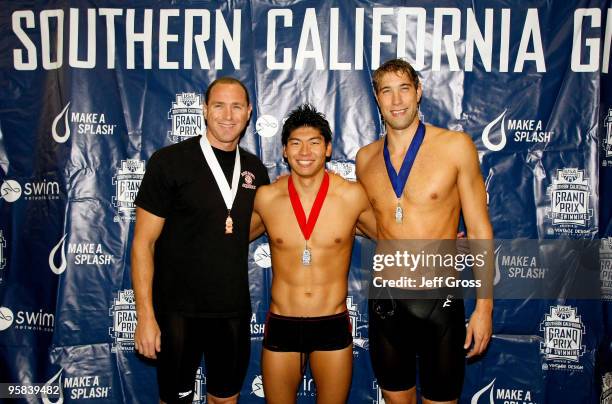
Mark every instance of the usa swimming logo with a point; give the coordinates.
(563, 330)
(186, 117)
(127, 182)
(570, 210)
(123, 312)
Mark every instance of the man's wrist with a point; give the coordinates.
(484, 306)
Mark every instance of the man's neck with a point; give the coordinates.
(225, 146)
(308, 187)
(398, 141)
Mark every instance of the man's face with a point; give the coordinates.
(398, 100)
(306, 151)
(226, 113)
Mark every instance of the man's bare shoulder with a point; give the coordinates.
(366, 153)
(274, 189)
(457, 147)
(450, 139)
(350, 191)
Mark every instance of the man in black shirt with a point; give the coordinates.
(189, 255)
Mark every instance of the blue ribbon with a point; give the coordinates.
(398, 181)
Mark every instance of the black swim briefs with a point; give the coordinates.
(307, 334)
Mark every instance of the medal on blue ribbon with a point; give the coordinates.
(398, 180)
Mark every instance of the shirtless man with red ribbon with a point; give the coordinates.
(310, 217)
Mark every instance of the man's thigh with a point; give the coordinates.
(227, 353)
(178, 359)
(392, 346)
(282, 373)
(332, 371)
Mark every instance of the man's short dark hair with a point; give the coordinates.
(226, 80)
(306, 116)
(397, 66)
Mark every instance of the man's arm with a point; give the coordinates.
(147, 229)
(366, 225)
(366, 222)
(472, 194)
(257, 225)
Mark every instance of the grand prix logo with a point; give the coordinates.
(123, 312)
(607, 141)
(570, 199)
(357, 323)
(186, 117)
(127, 182)
(563, 331)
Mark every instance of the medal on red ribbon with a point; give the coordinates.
(307, 225)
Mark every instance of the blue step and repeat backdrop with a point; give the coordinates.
(89, 90)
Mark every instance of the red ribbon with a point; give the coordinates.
(308, 226)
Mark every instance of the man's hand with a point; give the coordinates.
(479, 331)
(147, 337)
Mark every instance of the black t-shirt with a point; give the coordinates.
(200, 270)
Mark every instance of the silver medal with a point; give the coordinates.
(306, 257)
(399, 214)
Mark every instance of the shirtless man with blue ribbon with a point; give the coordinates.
(438, 179)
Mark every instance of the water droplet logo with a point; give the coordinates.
(10, 190)
(6, 318)
(482, 391)
(497, 272)
(61, 138)
(487, 183)
(487, 130)
(45, 396)
(266, 126)
(58, 270)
